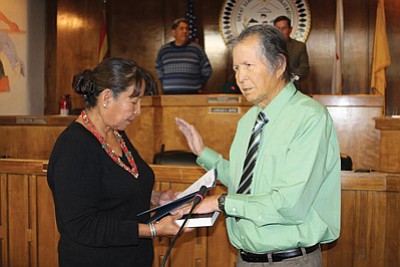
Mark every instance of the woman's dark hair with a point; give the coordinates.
(115, 73)
(272, 46)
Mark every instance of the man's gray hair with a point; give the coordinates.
(272, 46)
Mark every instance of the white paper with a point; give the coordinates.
(208, 179)
(200, 220)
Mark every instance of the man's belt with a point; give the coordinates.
(276, 256)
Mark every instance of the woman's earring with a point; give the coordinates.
(104, 105)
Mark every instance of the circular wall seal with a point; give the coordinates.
(237, 15)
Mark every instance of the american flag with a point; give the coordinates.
(190, 16)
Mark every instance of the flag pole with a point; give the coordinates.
(337, 75)
(103, 40)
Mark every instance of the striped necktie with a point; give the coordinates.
(251, 157)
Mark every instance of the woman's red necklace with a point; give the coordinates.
(89, 125)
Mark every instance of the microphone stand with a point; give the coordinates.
(197, 198)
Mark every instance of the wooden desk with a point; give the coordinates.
(370, 232)
(214, 116)
(33, 137)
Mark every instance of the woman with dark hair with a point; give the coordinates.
(98, 179)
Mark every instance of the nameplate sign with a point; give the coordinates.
(225, 110)
(22, 120)
(224, 99)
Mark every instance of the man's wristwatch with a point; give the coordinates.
(221, 203)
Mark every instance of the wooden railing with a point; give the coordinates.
(370, 232)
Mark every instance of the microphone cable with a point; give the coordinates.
(197, 199)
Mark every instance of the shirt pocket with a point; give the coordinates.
(269, 171)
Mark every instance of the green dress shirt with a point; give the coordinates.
(295, 193)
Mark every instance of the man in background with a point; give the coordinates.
(298, 57)
(182, 66)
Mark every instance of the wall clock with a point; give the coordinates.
(237, 15)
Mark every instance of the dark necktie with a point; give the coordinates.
(251, 157)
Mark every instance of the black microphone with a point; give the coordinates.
(199, 196)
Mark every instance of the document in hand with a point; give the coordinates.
(208, 179)
(199, 220)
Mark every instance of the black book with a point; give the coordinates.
(208, 180)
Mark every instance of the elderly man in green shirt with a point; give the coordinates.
(290, 203)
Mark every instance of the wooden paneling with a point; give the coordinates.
(78, 29)
(34, 142)
(141, 130)
(357, 45)
(52, 94)
(214, 119)
(214, 46)
(138, 28)
(320, 47)
(29, 235)
(3, 221)
(47, 233)
(392, 246)
(353, 116)
(389, 148)
(370, 232)
(392, 12)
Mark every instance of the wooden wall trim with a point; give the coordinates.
(375, 181)
(54, 120)
(386, 123)
(201, 100)
(23, 166)
(365, 182)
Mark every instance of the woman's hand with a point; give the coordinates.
(167, 196)
(166, 227)
(193, 138)
(159, 198)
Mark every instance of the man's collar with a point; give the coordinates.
(174, 44)
(276, 105)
